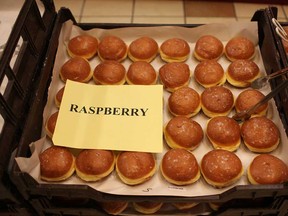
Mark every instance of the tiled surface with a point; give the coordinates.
(164, 11)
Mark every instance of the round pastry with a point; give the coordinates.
(59, 96)
(241, 73)
(114, 207)
(135, 167)
(248, 98)
(184, 101)
(141, 73)
(184, 205)
(76, 69)
(216, 101)
(174, 50)
(51, 124)
(183, 132)
(85, 46)
(112, 48)
(147, 207)
(221, 168)
(208, 47)
(260, 134)
(94, 164)
(267, 169)
(174, 75)
(224, 133)
(239, 48)
(209, 73)
(56, 164)
(109, 73)
(180, 167)
(143, 49)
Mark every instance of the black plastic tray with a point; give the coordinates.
(46, 198)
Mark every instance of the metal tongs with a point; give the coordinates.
(280, 30)
(263, 81)
(246, 114)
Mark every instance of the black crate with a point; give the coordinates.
(27, 124)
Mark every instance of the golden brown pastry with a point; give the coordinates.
(239, 47)
(184, 101)
(174, 50)
(141, 73)
(174, 75)
(221, 168)
(260, 134)
(51, 124)
(184, 205)
(147, 207)
(109, 73)
(224, 133)
(85, 46)
(217, 101)
(76, 69)
(56, 164)
(209, 73)
(248, 98)
(59, 96)
(94, 164)
(241, 73)
(134, 168)
(208, 47)
(143, 49)
(267, 169)
(112, 48)
(114, 207)
(180, 167)
(183, 132)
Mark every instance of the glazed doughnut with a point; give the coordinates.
(221, 168)
(184, 101)
(260, 134)
(208, 47)
(114, 207)
(141, 73)
(147, 207)
(241, 73)
(76, 69)
(56, 164)
(209, 73)
(224, 133)
(267, 169)
(85, 46)
(59, 96)
(94, 164)
(109, 73)
(248, 98)
(143, 49)
(174, 75)
(216, 101)
(134, 168)
(183, 132)
(180, 167)
(174, 50)
(51, 124)
(112, 48)
(239, 48)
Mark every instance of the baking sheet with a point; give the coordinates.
(157, 185)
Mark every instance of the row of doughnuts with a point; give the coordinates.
(220, 168)
(213, 101)
(174, 75)
(145, 48)
(259, 134)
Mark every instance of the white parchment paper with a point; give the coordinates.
(157, 185)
